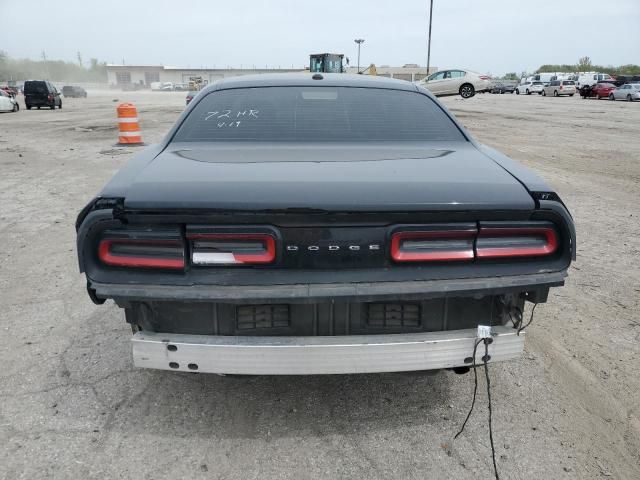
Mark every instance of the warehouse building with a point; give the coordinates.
(144, 75)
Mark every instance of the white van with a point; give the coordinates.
(547, 77)
(592, 78)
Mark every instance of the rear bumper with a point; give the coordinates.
(305, 293)
(319, 355)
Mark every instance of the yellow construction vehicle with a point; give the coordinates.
(326, 63)
(332, 63)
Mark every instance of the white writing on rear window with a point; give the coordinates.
(229, 118)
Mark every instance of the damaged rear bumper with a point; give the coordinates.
(320, 355)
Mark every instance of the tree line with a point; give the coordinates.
(584, 64)
(19, 69)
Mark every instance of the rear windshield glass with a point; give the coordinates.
(37, 87)
(317, 114)
(568, 82)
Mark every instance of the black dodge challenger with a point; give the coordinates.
(334, 223)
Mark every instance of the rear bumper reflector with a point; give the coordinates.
(319, 355)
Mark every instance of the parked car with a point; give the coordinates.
(503, 88)
(167, 87)
(456, 82)
(41, 93)
(181, 87)
(190, 96)
(284, 254)
(629, 92)
(8, 103)
(11, 91)
(597, 91)
(74, 92)
(558, 88)
(530, 87)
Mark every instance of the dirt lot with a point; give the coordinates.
(72, 405)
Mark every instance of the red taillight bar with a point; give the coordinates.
(268, 256)
(548, 248)
(108, 258)
(458, 254)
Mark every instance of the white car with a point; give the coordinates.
(560, 87)
(530, 87)
(8, 103)
(456, 82)
(628, 92)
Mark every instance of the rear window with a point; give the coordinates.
(35, 87)
(537, 83)
(317, 114)
(568, 82)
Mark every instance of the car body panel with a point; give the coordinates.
(336, 177)
(530, 87)
(39, 93)
(602, 90)
(74, 92)
(333, 212)
(559, 88)
(7, 104)
(624, 92)
(448, 82)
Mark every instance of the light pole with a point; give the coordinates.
(429, 42)
(359, 41)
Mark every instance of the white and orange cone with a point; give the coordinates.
(129, 129)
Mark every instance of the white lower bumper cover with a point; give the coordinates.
(319, 355)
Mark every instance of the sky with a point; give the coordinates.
(488, 36)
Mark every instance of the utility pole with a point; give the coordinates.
(359, 41)
(429, 41)
(46, 65)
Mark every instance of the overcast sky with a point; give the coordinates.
(495, 36)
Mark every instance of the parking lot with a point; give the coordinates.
(73, 406)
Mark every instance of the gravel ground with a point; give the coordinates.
(72, 405)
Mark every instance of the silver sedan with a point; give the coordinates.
(456, 82)
(628, 92)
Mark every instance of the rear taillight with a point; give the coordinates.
(49, 97)
(232, 248)
(121, 252)
(516, 242)
(438, 243)
(434, 245)
(484, 77)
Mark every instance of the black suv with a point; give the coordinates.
(41, 93)
(75, 92)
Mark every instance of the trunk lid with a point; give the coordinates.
(346, 177)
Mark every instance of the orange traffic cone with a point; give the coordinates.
(129, 134)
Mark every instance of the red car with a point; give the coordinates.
(12, 91)
(602, 90)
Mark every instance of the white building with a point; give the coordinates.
(144, 75)
(409, 72)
